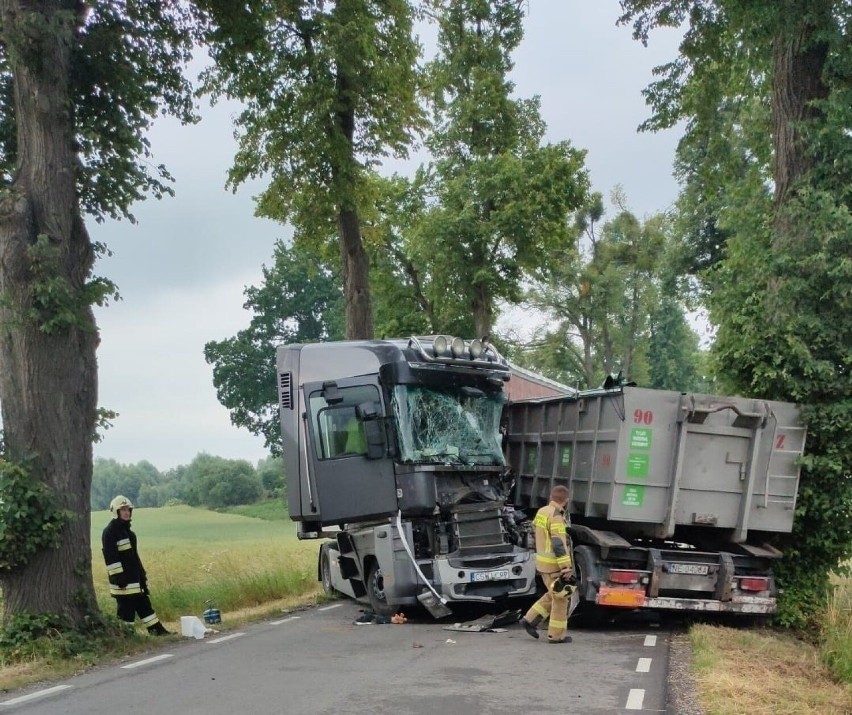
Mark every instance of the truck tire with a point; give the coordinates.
(587, 613)
(376, 591)
(325, 573)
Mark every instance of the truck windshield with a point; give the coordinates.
(456, 425)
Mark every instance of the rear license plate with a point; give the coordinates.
(691, 569)
(501, 575)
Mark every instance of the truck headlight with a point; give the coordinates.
(440, 345)
(457, 347)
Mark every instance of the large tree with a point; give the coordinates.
(80, 84)
(599, 293)
(498, 199)
(765, 88)
(328, 89)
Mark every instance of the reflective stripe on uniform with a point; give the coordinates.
(123, 545)
(541, 609)
(130, 590)
(150, 620)
(113, 569)
(558, 529)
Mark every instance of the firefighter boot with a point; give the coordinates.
(530, 626)
(158, 629)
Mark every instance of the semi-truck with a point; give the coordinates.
(675, 497)
(393, 455)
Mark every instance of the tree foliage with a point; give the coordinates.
(766, 89)
(611, 298)
(328, 89)
(496, 199)
(207, 481)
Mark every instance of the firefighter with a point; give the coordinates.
(128, 583)
(553, 563)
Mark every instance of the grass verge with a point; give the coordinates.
(763, 672)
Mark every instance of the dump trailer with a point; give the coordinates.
(674, 496)
(393, 454)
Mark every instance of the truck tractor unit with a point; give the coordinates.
(392, 452)
(675, 497)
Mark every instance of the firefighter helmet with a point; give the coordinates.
(118, 503)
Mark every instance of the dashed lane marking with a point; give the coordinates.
(226, 638)
(644, 665)
(328, 608)
(650, 641)
(635, 699)
(284, 620)
(147, 661)
(35, 696)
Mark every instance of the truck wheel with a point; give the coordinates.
(376, 591)
(587, 612)
(325, 573)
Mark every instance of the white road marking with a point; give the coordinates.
(35, 696)
(284, 620)
(147, 661)
(634, 699)
(650, 641)
(644, 665)
(328, 608)
(226, 638)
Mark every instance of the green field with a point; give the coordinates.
(193, 556)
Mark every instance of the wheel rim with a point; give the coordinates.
(378, 585)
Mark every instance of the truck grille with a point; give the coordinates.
(478, 528)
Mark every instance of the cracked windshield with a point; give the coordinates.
(460, 425)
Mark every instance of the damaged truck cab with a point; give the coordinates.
(392, 450)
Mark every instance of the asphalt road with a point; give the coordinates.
(318, 662)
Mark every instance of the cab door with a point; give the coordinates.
(350, 485)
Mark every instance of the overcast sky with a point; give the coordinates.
(182, 269)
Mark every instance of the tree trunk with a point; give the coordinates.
(483, 317)
(798, 62)
(48, 380)
(356, 277)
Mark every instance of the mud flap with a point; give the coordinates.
(574, 602)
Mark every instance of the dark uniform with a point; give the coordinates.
(552, 555)
(128, 583)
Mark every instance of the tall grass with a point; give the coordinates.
(763, 672)
(194, 557)
(836, 644)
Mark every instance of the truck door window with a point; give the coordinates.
(337, 431)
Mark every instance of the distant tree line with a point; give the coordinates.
(207, 481)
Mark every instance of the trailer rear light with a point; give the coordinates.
(622, 597)
(754, 584)
(624, 576)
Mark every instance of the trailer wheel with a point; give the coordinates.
(376, 591)
(325, 573)
(587, 612)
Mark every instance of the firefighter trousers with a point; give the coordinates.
(553, 606)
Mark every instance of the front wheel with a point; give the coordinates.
(325, 573)
(376, 591)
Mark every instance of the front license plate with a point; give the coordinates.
(691, 569)
(501, 575)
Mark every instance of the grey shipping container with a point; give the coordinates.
(657, 462)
